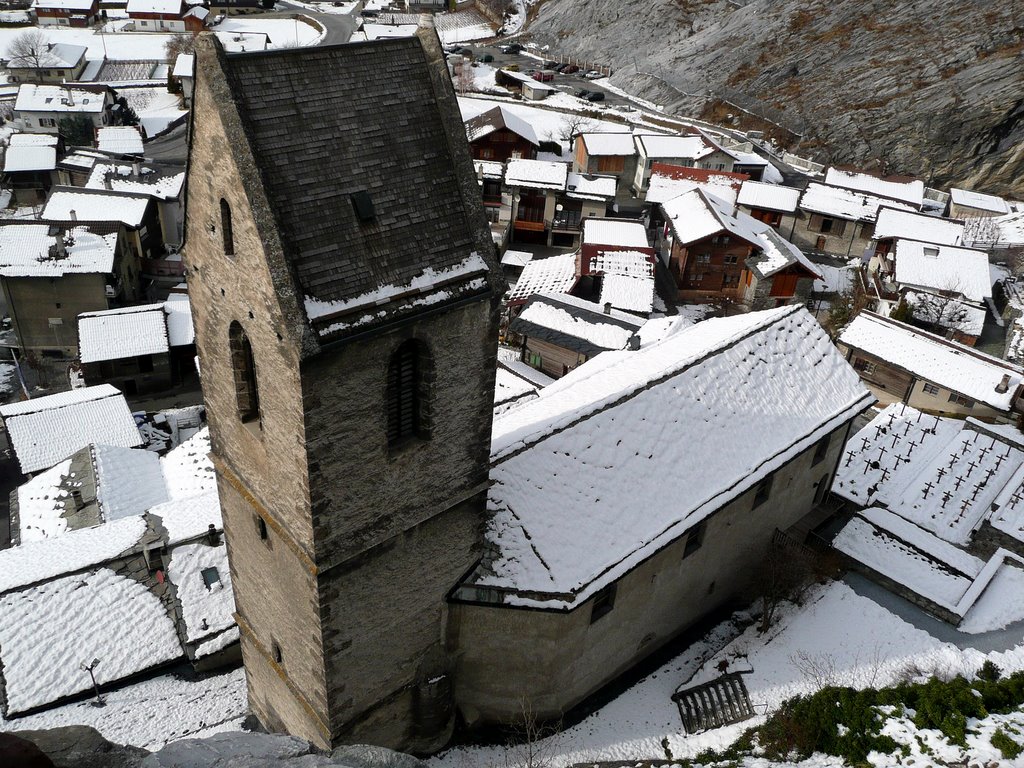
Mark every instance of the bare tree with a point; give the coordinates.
(464, 77)
(29, 49)
(573, 124)
(183, 42)
(942, 311)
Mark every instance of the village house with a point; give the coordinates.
(610, 154)
(53, 272)
(557, 332)
(528, 87)
(55, 64)
(74, 169)
(586, 197)
(607, 235)
(30, 166)
(967, 204)
(41, 108)
(164, 16)
(901, 189)
(500, 135)
(534, 186)
(895, 223)
(184, 73)
(135, 214)
(120, 140)
(615, 266)
(836, 220)
(714, 251)
(768, 202)
(140, 350)
(66, 13)
(901, 363)
(597, 446)
(669, 181)
(693, 150)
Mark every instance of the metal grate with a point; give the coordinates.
(722, 701)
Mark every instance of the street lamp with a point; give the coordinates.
(92, 676)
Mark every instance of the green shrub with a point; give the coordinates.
(1009, 748)
(990, 671)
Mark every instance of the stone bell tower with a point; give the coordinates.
(345, 297)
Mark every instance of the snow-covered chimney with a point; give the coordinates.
(137, 169)
(634, 343)
(1003, 385)
(607, 307)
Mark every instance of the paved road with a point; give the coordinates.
(338, 27)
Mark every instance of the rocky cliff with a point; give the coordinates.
(931, 89)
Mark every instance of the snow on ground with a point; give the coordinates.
(155, 107)
(153, 712)
(547, 123)
(1000, 605)
(124, 45)
(281, 33)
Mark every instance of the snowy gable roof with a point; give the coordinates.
(537, 174)
(497, 118)
(48, 429)
(30, 158)
(911, 192)
(180, 331)
(950, 365)
(165, 7)
(510, 387)
(578, 496)
(608, 144)
(673, 147)
(119, 140)
(893, 222)
(583, 186)
(943, 268)
(115, 334)
(627, 280)
(33, 140)
(58, 98)
(574, 323)
(845, 203)
(203, 580)
(777, 253)
(768, 197)
(623, 233)
(32, 250)
(46, 631)
(69, 204)
(187, 468)
(64, 5)
(669, 181)
(161, 183)
(978, 200)
(185, 64)
(56, 56)
(555, 274)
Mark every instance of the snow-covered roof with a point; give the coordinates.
(911, 192)
(129, 209)
(777, 253)
(198, 12)
(30, 158)
(33, 140)
(574, 323)
(184, 65)
(180, 332)
(628, 280)
(769, 197)
(943, 268)
(978, 200)
(495, 119)
(489, 169)
(893, 222)
(161, 183)
(624, 233)
(30, 250)
(187, 468)
(48, 630)
(511, 387)
(189, 517)
(64, 5)
(669, 181)
(165, 7)
(45, 430)
(537, 174)
(555, 274)
(586, 187)
(946, 312)
(673, 147)
(57, 98)
(56, 56)
(597, 444)
(950, 365)
(206, 608)
(115, 334)
(609, 144)
(119, 140)
(516, 258)
(845, 203)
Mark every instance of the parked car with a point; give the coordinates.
(511, 67)
(596, 96)
(486, 58)
(560, 67)
(543, 77)
(550, 64)
(570, 69)
(582, 93)
(593, 75)
(511, 48)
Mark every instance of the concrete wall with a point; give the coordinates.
(33, 301)
(548, 660)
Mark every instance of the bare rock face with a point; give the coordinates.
(930, 89)
(77, 746)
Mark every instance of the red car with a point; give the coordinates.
(543, 76)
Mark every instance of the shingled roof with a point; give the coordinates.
(378, 121)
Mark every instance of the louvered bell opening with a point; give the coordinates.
(403, 397)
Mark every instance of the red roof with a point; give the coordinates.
(698, 175)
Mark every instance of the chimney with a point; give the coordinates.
(137, 169)
(607, 307)
(634, 343)
(1003, 385)
(107, 184)
(73, 215)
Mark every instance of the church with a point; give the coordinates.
(399, 562)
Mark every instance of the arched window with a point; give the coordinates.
(243, 366)
(407, 393)
(225, 227)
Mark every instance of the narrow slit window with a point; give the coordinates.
(225, 228)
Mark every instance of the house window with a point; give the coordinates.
(704, 258)
(697, 277)
(243, 366)
(960, 400)
(145, 363)
(821, 450)
(47, 122)
(731, 259)
(407, 403)
(931, 389)
(604, 601)
(225, 227)
(486, 153)
(694, 539)
(730, 280)
(764, 490)
(832, 226)
(864, 366)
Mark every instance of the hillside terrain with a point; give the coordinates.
(931, 89)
